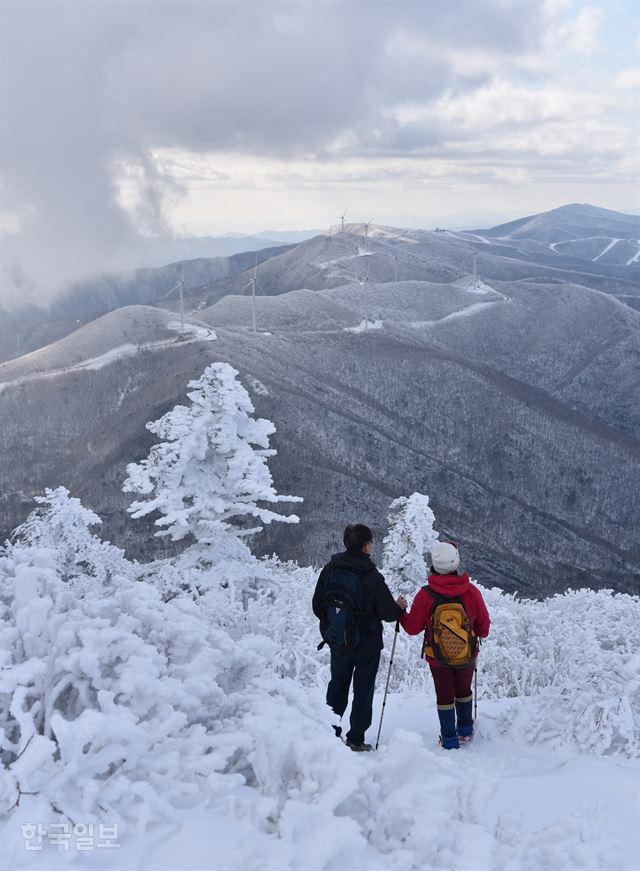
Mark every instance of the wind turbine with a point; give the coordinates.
(342, 217)
(475, 270)
(181, 287)
(253, 284)
(366, 227)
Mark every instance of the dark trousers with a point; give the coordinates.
(452, 683)
(363, 670)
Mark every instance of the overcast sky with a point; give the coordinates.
(198, 118)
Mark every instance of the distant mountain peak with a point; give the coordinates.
(568, 222)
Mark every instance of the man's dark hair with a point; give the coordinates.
(356, 536)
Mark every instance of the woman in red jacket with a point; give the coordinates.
(453, 685)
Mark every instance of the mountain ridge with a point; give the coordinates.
(511, 399)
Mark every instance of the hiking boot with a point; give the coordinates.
(337, 730)
(449, 742)
(464, 739)
(359, 748)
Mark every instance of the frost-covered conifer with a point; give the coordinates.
(209, 472)
(62, 525)
(411, 535)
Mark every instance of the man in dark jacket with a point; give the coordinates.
(360, 662)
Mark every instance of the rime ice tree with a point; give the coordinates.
(210, 470)
(411, 535)
(62, 526)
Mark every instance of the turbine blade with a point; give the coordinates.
(171, 291)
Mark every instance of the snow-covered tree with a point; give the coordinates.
(62, 526)
(109, 702)
(209, 473)
(411, 536)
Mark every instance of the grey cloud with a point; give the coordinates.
(86, 84)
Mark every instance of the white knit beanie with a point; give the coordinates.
(445, 557)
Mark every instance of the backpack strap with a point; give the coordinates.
(427, 644)
(439, 599)
(374, 622)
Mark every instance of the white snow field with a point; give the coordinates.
(498, 803)
(218, 754)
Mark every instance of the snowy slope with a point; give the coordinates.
(246, 773)
(496, 805)
(121, 333)
(405, 302)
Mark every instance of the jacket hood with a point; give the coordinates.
(449, 585)
(354, 561)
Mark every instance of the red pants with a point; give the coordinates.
(452, 683)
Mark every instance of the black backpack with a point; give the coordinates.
(343, 603)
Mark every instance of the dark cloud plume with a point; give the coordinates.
(86, 86)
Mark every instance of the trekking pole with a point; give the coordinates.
(386, 689)
(475, 693)
(475, 685)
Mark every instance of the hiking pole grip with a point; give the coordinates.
(386, 689)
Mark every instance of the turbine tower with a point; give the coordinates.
(475, 270)
(181, 286)
(366, 296)
(366, 228)
(254, 284)
(342, 217)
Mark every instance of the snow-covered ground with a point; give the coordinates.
(551, 780)
(462, 313)
(192, 333)
(498, 804)
(363, 326)
(635, 258)
(478, 287)
(608, 247)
